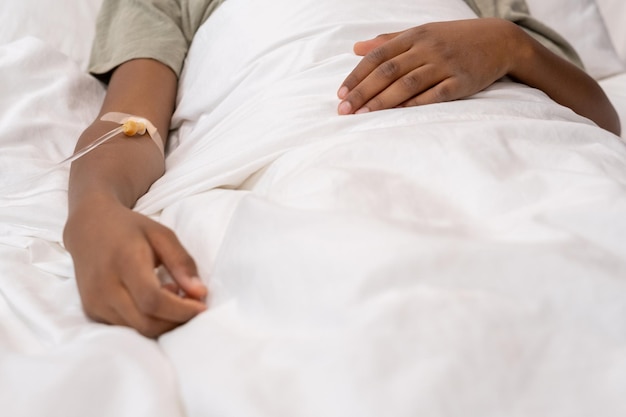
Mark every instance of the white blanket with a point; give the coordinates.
(465, 258)
(462, 258)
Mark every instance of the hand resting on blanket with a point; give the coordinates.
(116, 250)
(446, 61)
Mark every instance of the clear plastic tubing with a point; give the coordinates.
(129, 125)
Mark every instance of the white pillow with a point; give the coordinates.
(66, 25)
(580, 22)
(614, 14)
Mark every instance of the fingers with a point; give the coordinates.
(380, 80)
(387, 60)
(141, 303)
(144, 287)
(114, 261)
(407, 86)
(363, 48)
(446, 90)
(131, 294)
(373, 59)
(126, 313)
(178, 262)
(171, 287)
(152, 300)
(427, 64)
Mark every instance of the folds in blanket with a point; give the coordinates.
(225, 147)
(46, 101)
(276, 93)
(331, 313)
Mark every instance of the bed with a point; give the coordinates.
(466, 258)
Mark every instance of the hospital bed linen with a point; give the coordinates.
(464, 258)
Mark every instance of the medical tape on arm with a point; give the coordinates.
(130, 125)
(134, 125)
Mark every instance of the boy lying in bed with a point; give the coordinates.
(139, 49)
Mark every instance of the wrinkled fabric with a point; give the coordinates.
(463, 258)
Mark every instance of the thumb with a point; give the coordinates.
(363, 48)
(178, 263)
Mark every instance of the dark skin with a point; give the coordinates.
(441, 62)
(115, 249)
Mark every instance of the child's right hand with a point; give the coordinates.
(115, 252)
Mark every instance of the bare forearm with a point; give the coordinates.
(115, 250)
(124, 168)
(565, 83)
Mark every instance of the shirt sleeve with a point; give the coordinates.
(517, 12)
(156, 29)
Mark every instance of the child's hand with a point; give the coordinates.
(427, 64)
(115, 252)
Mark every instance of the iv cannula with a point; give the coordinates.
(130, 126)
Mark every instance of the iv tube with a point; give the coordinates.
(129, 125)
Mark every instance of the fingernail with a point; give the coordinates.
(345, 107)
(362, 110)
(343, 92)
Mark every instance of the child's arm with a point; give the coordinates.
(139, 47)
(450, 60)
(114, 249)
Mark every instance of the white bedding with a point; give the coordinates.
(457, 259)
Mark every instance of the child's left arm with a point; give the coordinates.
(446, 61)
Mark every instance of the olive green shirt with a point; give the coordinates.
(163, 30)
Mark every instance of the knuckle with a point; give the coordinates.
(422, 33)
(411, 102)
(186, 261)
(448, 54)
(160, 235)
(376, 103)
(410, 82)
(149, 302)
(356, 96)
(91, 306)
(442, 93)
(92, 313)
(421, 30)
(376, 56)
(432, 30)
(154, 328)
(148, 329)
(388, 70)
(129, 256)
(351, 81)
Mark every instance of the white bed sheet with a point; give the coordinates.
(463, 258)
(53, 361)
